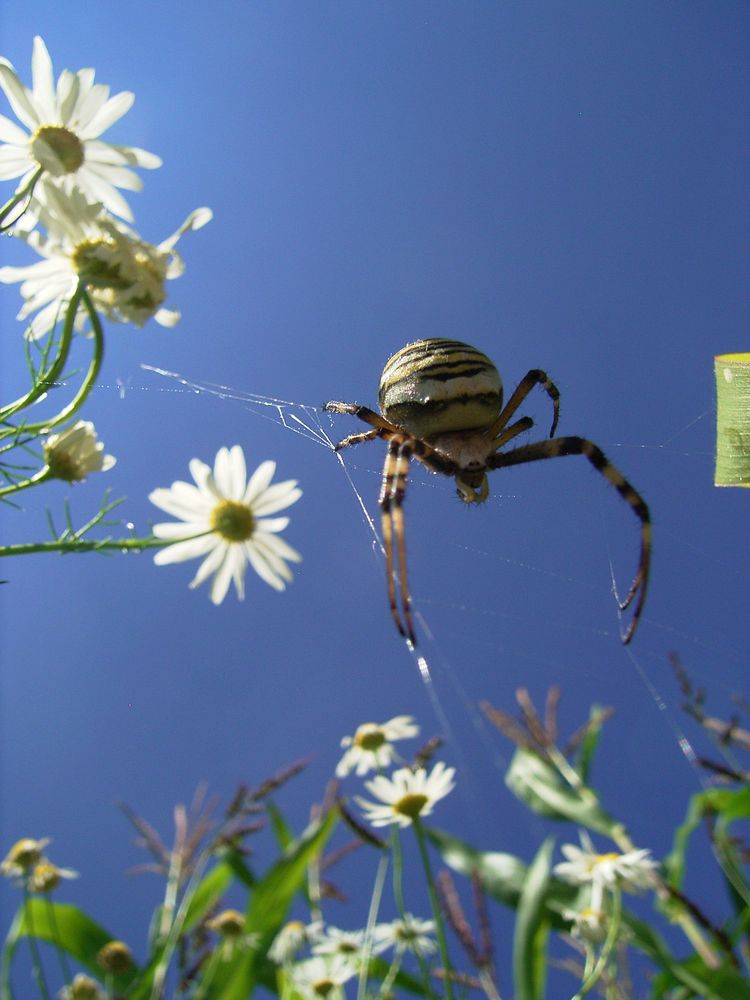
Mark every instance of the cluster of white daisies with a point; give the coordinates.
(68, 207)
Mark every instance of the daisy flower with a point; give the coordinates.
(64, 123)
(82, 988)
(115, 957)
(408, 934)
(370, 748)
(406, 795)
(74, 453)
(322, 976)
(223, 519)
(631, 871)
(290, 940)
(230, 926)
(125, 275)
(348, 944)
(45, 876)
(23, 856)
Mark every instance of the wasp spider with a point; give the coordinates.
(441, 402)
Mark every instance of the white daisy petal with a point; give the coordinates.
(259, 481)
(277, 497)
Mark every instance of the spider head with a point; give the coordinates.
(472, 485)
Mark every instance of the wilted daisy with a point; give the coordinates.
(370, 748)
(82, 988)
(115, 957)
(230, 926)
(124, 275)
(74, 453)
(290, 940)
(407, 794)
(223, 519)
(407, 934)
(631, 871)
(322, 976)
(64, 123)
(45, 876)
(588, 924)
(22, 857)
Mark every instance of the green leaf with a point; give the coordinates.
(282, 832)
(590, 742)
(532, 929)
(539, 785)
(503, 876)
(269, 903)
(67, 927)
(209, 891)
(725, 805)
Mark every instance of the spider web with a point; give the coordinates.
(311, 423)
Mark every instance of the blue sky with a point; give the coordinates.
(563, 186)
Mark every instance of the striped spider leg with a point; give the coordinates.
(401, 448)
(558, 448)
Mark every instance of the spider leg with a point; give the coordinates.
(524, 387)
(513, 431)
(364, 413)
(357, 439)
(393, 489)
(558, 448)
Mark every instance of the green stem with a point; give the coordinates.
(372, 916)
(84, 545)
(62, 957)
(398, 868)
(601, 963)
(48, 378)
(436, 912)
(26, 191)
(38, 477)
(36, 959)
(91, 375)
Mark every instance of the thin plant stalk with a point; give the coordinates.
(436, 911)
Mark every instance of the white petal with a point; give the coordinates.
(262, 568)
(18, 96)
(191, 548)
(278, 546)
(10, 132)
(43, 84)
(259, 482)
(277, 497)
(114, 109)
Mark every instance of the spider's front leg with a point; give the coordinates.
(392, 492)
(380, 426)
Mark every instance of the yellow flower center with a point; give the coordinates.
(57, 149)
(99, 263)
(369, 738)
(411, 805)
(233, 521)
(611, 856)
(322, 987)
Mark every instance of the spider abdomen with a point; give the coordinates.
(438, 386)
